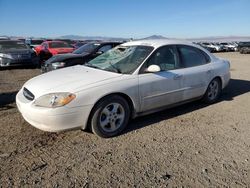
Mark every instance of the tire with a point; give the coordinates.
(110, 116)
(213, 91)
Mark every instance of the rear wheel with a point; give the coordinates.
(110, 116)
(213, 91)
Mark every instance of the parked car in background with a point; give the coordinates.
(33, 43)
(78, 57)
(79, 44)
(69, 41)
(208, 48)
(20, 39)
(229, 47)
(214, 47)
(133, 79)
(15, 52)
(4, 38)
(244, 47)
(49, 48)
(222, 48)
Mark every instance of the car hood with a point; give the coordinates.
(62, 57)
(69, 79)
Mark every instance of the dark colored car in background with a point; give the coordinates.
(34, 42)
(79, 44)
(15, 52)
(50, 48)
(244, 47)
(80, 56)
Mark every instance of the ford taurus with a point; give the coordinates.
(133, 79)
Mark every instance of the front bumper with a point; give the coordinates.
(46, 68)
(49, 67)
(52, 119)
(5, 62)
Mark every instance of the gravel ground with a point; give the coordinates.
(194, 145)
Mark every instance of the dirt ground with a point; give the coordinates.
(194, 145)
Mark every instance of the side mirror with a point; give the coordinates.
(153, 69)
(99, 52)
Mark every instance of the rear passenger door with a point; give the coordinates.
(196, 71)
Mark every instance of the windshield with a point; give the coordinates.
(88, 48)
(59, 45)
(122, 59)
(11, 45)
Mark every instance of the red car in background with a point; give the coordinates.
(49, 48)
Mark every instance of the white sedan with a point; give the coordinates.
(133, 79)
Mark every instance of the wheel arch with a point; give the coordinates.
(220, 79)
(123, 95)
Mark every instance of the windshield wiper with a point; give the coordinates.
(115, 68)
(91, 65)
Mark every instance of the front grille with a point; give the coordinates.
(28, 95)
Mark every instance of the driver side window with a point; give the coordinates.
(165, 57)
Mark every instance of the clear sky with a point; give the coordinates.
(125, 18)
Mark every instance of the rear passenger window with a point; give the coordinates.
(191, 57)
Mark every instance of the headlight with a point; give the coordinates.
(58, 64)
(6, 56)
(54, 100)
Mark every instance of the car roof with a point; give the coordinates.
(157, 42)
(11, 41)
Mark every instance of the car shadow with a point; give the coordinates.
(235, 88)
(6, 99)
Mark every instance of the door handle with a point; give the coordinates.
(177, 77)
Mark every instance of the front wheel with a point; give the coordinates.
(213, 91)
(110, 116)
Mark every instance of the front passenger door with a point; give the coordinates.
(161, 88)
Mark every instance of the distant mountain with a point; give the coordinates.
(154, 37)
(208, 39)
(78, 37)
